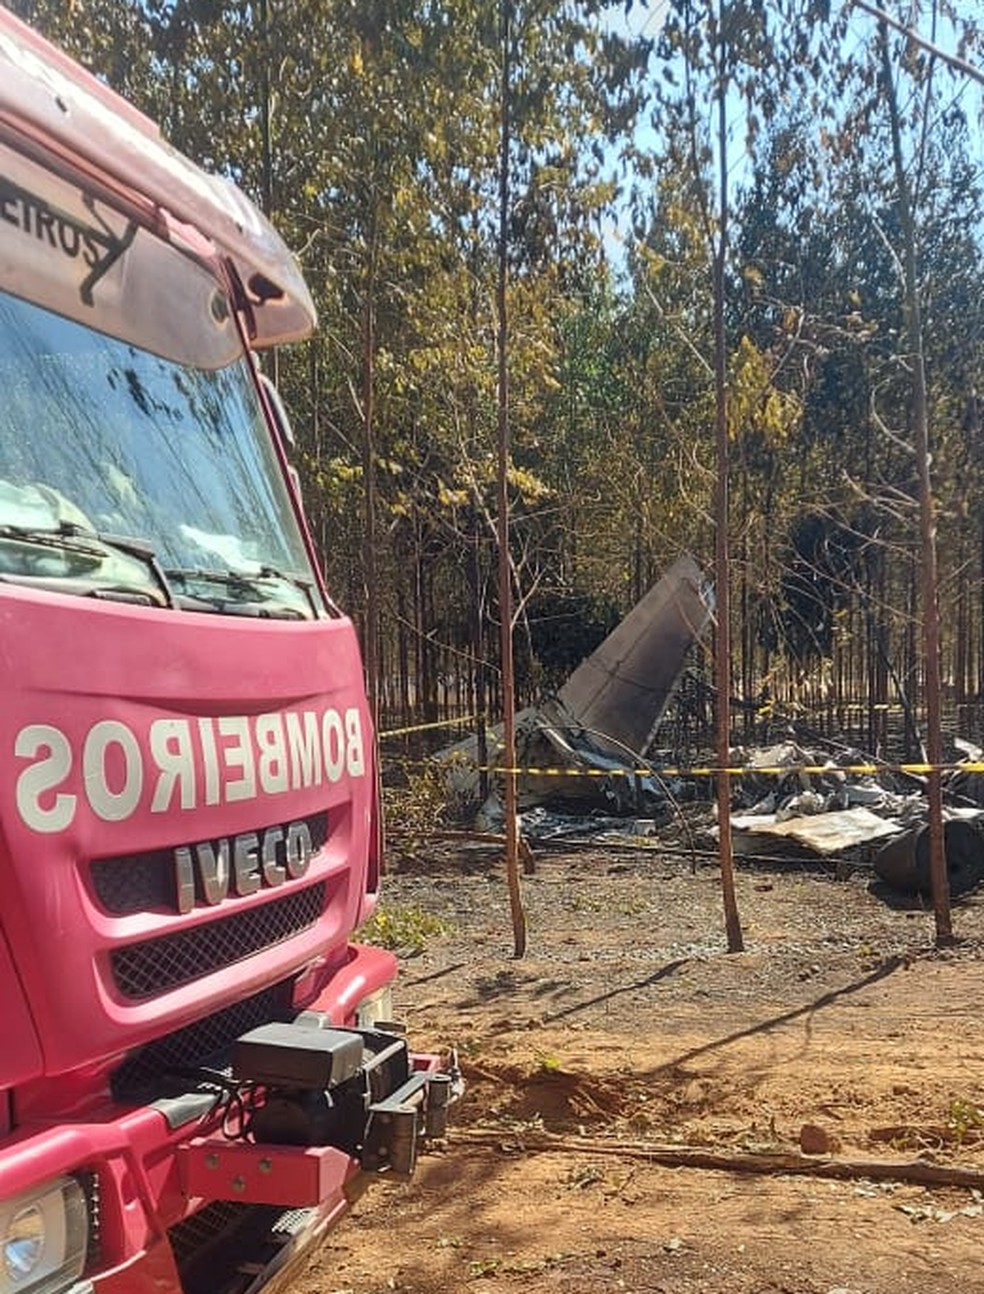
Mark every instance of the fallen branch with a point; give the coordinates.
(594, 844)
(525, 852)
(917, 1171)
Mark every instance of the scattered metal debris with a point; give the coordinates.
(586, 768)
(825, 833)
(903, 863)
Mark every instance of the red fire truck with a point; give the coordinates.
(197, 1074)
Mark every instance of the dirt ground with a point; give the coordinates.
(628, 1033)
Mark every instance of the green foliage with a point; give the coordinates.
(564, 629)
(963, 1118)
(405, 929)
(822, 571)
(420, 804)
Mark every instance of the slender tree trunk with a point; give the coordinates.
(744, 661)
(419, 622)
(371, 588)
(722, 640)
(403, 652)
(479, 580)
(503, 528)
(980, 613)
(428, 651)
(961, 646)
(928, 582)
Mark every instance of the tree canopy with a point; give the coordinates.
(369, 132)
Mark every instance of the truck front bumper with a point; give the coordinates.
(194, 1196)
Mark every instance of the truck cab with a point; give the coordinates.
(199, 1072)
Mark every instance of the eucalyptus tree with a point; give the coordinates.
(797, 304)
(902, 92)
(893, 346)
(535, 115)
(738, 59)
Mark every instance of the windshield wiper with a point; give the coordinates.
(266, 593)
(260, 593)
(64, 537)
(71, 540)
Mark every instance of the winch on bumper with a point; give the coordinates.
(306, 1094)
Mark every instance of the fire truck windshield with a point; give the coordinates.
(100, 439)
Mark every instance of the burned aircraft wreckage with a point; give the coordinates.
(588, 744)
(589, 763)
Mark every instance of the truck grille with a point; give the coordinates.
(152, 967)
(145, 882)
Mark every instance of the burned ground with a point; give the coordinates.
(628, 1034)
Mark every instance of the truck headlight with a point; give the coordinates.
(43, 1238)
(23, 1244)
(375, 1009)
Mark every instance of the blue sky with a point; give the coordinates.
(954, 89)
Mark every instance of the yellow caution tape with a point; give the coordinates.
(787, 770)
